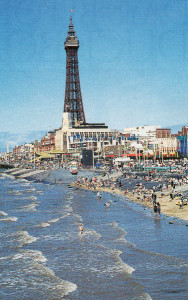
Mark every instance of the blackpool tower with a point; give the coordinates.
(73, 98)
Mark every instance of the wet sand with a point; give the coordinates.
(168, 207)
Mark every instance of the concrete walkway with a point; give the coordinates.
(34, 172)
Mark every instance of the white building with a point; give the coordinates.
(89, 136)
(142, 132)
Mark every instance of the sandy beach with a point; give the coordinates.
(168, 207)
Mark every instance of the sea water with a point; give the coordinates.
(125, 252)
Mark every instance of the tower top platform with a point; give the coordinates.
(71, 39)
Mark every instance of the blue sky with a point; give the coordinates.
(133, 62)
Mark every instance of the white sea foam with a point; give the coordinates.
(79, 218)
(53, 220)
(30, 207)
(34, 269)
(33, 198)
(66, 287)
(117, 265)
(15, 192)
(2, 213)
(147, 296)
(55, 283)
(91, 234)
(17, 256)
(65, 215)
(39, 192)
(24, 180)
(43, 224)
(7, 175)
(26, 184)
(36, 255)
(30, 254)
(9, 219)
(4, 257)
(120, 265)
(25, 238)
(116, 226)
(30, 190)
(122, 240)
(61, 287)
(68, 208)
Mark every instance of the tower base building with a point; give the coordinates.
(91, 136)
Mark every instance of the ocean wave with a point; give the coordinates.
(25, 183)
(32, 198)
(120, 264)
(4, 257)
(30, 254)
(55, 284)
(53, 220)
(23, 238)
(30, 207)
(68, 208)
(15, 192)
(23, 180)
(116, 226)
(39, 192)
(2, 213)
(32, 272)
(114, 262)
(91, 234)
(8, 175)
(118, 232)
(27, 191)
(27, 254)
(79, 218)
(146, 296)
(9, 219)
(43, 224)
(122, 240)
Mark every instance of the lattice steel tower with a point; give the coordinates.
(73, 97)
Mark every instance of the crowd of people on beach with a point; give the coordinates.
(147, 190)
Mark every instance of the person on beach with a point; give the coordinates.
(98, 195)
(181, 203)
(155, 208)
(171, 196)
(158, 208)
(154, 197)
(120, 184)
(81, 228)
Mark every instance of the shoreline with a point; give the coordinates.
(168, 207)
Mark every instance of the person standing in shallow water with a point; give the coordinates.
(158, 208)
(98, 195)
(155, 208)
(81, 228)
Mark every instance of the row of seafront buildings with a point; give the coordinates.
(137, 143)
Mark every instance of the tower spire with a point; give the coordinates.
(73, 98)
